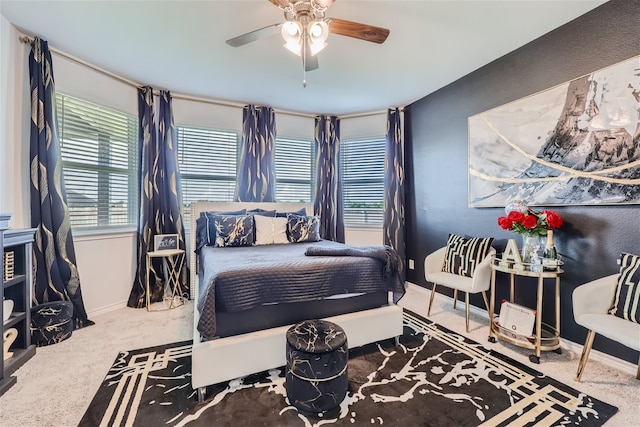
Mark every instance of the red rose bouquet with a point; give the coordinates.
(530, 221)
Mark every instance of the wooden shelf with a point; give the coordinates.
(18, 289)
(6, 383)
(20, 356)
(18, 279)
(14, 319)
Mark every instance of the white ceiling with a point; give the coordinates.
(180, 46)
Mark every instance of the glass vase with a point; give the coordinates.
(532, 248)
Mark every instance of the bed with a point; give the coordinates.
(246, 298)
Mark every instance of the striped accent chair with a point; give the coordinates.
(610, 306)
(463, 265)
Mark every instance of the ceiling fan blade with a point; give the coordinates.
(357, 30)
(255, 35)
(280, 3)
(311, 61)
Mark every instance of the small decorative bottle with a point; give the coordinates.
(550, 256)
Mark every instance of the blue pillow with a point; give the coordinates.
(206, 230)
(234, 230)
(303, 228)
(301, 212)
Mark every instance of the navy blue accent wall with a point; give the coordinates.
(436, 152)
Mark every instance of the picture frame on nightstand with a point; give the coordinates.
(165, 242)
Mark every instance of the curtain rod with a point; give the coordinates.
(28, 40)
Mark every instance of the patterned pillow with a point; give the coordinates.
(270, 230)
(464, 254)
(303, 228)
(627, 298)
(206, 230)
(234, 230)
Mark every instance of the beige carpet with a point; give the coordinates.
(55, 387)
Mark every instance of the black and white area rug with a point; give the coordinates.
(435, 377)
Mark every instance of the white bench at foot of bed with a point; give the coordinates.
(224, 359)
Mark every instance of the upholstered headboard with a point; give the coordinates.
(198, 207)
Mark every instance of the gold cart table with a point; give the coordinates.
(172, 263)
(546, 337)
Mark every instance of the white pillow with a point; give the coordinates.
(270, 230)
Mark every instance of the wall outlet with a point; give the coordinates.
(412, 264)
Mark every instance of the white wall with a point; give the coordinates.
(363, 236)
(362, 127)
(106, 267)
(14, 125)
(106, 262)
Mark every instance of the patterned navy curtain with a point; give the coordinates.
(256, 174)
(328, 202)
(56, 273)
(172, 220)
(149, 217)
(393, 223)
(160, 195)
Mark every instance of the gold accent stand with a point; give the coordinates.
(547, 337)
(173, 270)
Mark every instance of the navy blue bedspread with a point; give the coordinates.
(239, 278)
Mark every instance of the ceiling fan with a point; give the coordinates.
(306, 29)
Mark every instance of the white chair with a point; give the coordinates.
(480, 282)
(591, 304)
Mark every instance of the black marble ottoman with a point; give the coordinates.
(316, 374)
(51, 322)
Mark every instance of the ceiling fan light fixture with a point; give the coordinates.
(318, 32)
(316, 47)
(292, 35)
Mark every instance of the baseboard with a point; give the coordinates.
(427, 292)
(604, 358)
(106, 309)
(594, 355)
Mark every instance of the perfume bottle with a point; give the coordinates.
(550, 255)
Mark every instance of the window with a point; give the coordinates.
(362, 163)
(294, 170)
(99, 151)
(208, 161)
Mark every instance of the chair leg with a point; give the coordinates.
(486, 301)
(433, 292)
(638, 373)
(466, 309)
(455, 298)
(585, 354)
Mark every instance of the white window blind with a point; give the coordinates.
(99, 160)
(208, 165)
(294, 170)
(362, 163)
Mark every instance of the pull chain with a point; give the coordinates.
(304, 62)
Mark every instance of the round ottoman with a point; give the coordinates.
(51, 322)
(316, 374)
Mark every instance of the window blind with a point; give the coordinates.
(362, 164)
(294, 170)
(98, 151)
(208, 165)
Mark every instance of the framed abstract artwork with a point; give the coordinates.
(574, 144)
(165, 242)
